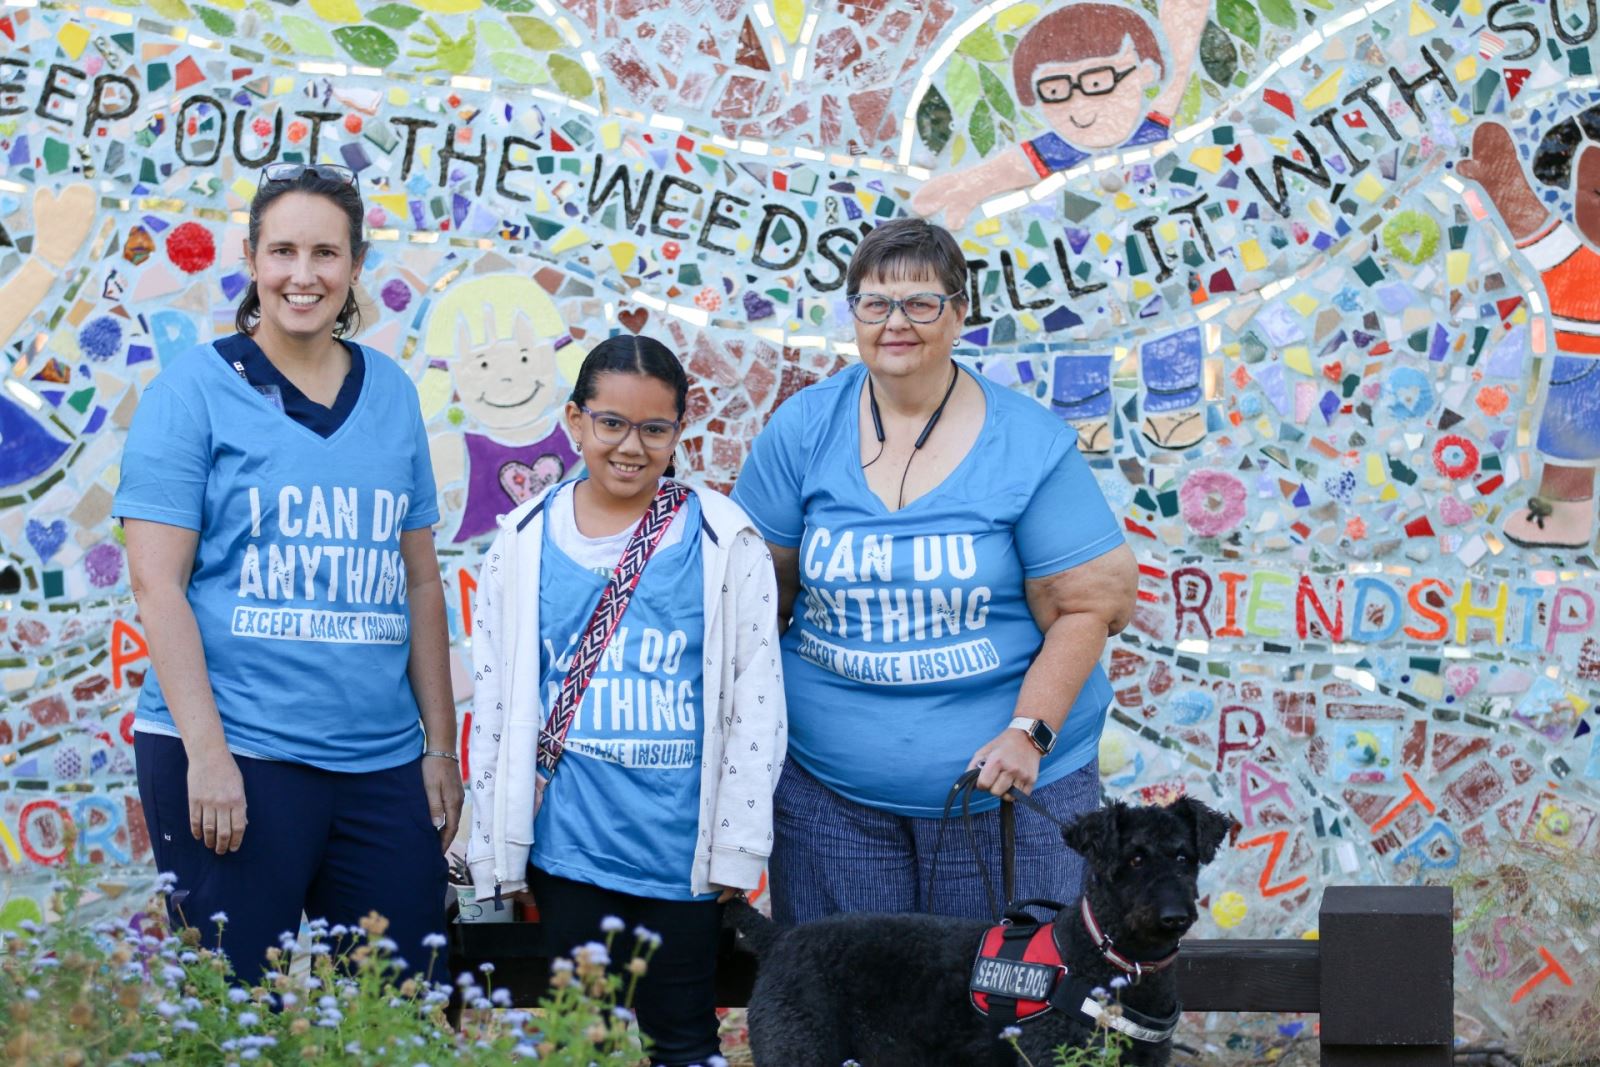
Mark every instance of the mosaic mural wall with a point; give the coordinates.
(1318, 283)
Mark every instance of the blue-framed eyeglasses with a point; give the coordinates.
(921, 308)
(657, 435)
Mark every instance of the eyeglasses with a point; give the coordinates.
(288, 172)
(1097, 81)
(921, 308)
(657, 435)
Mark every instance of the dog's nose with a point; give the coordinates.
(1176, 918)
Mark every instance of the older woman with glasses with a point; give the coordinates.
(295, 742)
(949, 574)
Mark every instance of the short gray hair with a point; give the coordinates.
(906, 248)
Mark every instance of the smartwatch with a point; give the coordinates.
(1038, 731)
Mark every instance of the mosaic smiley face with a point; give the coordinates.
(1097, 102)
(509, 382)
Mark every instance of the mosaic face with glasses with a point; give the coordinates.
(1101, 77)
(1098, 102)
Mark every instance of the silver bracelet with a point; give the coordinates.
(442, 755)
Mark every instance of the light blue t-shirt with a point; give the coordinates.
(622, 811)
(298, 585)
(911, 632)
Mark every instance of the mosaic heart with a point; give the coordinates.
(522, 482)
(46, 539)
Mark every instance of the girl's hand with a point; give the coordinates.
(1009, 762)
(727, 895)
(216, 801)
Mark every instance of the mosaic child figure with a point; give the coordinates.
(1562, 513)
(508, 385)
(1087, 66)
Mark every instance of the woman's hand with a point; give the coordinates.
(216, 800)
(441, 778)
(727, 895)
(1009, 762)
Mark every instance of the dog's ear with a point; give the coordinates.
(1094, 835)
(1210, 826)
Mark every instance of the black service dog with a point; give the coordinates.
(893, 990)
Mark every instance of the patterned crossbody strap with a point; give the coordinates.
(607, 614)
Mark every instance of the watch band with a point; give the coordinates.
(1032, 727)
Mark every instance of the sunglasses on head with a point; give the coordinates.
(288, 172)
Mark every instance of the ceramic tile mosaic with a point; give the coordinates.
(1316, 282)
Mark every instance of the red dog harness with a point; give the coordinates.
(1019, 975)
(1016, 972)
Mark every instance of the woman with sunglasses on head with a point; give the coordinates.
(295, 741)
(953, 574)
(628, 713)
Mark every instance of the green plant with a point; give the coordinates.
(138, 992)
(1106, 1050)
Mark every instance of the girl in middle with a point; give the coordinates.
(628, 713)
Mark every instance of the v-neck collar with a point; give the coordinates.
(238, 381)
(346, 388)
(859, 477)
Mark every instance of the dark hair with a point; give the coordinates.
(906, 248)
(633, 354)
(1552, 160)
(348, 199)
(1080, 31)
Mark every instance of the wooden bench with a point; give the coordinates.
(1380, 975)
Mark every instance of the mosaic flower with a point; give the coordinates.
(1212, 502)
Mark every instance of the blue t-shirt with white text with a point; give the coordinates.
(622, 811)
(298, 585)
(911, 632)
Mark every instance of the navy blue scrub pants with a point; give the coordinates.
(334, 845)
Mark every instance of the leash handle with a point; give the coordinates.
(965, 785)
(962, 790)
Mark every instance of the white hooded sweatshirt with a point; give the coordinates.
(741, 753)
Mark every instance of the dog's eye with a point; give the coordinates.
(1181, 857)
(1136, 860)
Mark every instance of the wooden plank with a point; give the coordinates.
(1222, 975)
(1388, 972)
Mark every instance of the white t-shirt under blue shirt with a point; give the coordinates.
(298, 585)
(911, 631)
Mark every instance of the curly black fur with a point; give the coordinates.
(891, 990)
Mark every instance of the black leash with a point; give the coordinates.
(962, 790)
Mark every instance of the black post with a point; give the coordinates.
(1388, 982)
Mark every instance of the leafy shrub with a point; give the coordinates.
(138, 992)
